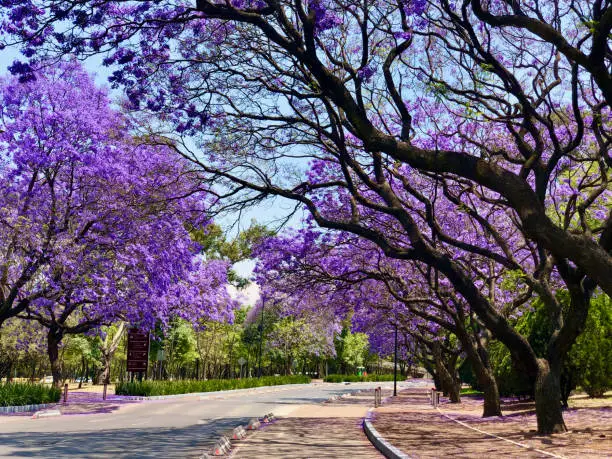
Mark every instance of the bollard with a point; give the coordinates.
(435, 397)
(254, 424)
(238, 433)
(66, 393)
(222, 446)
(377, 397)
(104, 391)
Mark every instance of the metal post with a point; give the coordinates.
(65, 392)
(395, 365)
(104, 391)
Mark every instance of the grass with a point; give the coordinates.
(187, 386)
(18, 394)
(470, 391)
(357, 378)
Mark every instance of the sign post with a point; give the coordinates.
(137, 352)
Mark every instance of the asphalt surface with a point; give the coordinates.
(184, 427)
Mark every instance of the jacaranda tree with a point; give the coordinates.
(499, 107)
(352, 278)
(93, 225)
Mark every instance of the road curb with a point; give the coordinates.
(382, 445)
(46, 414)
(25, 408)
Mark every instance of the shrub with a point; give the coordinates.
(17, 394)
(187, 386)
(591, 355)
(588, 364)
(357, 378)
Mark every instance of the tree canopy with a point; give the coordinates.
(469, 140)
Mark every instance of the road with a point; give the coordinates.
(183, 427)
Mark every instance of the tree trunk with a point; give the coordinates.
(490, 391)
(106, 369)
(478, 358)
(9, 371)
(548, 399)
(82, 371)
(486, 380)
(451, 385)
(54, 336)
(33, 374)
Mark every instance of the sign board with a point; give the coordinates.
(241, 361)
(137, 350)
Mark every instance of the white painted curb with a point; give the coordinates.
(46, 414)
(382, 445)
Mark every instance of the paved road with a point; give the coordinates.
(167, 428)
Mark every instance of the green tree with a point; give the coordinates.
(352, 348)
(215, 245)
(591, 355)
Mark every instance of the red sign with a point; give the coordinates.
(137, 350)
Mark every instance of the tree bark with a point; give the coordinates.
(54, 337)
(83, 372)
(490, 391)
(479, 360)
(106, 370)
(450, 383)
(548, 399)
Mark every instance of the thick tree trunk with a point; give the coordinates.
(490, 391)
(451, 385)
(54, 336)
(454, 392)
(479, 361)
(548, 399)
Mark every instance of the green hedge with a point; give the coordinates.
(17, 394)
(356, 378)
(187, 386)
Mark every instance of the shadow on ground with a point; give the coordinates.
(307, 438)
(190, 441)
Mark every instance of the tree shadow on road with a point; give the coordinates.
(189, 441)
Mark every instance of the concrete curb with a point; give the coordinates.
(24, 408)
(382, 445)
(46, 414)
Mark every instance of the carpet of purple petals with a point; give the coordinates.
(86, 402)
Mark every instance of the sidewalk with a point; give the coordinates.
(412, 425)
(333, 429)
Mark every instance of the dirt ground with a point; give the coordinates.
(411, 424)
(329, 430)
